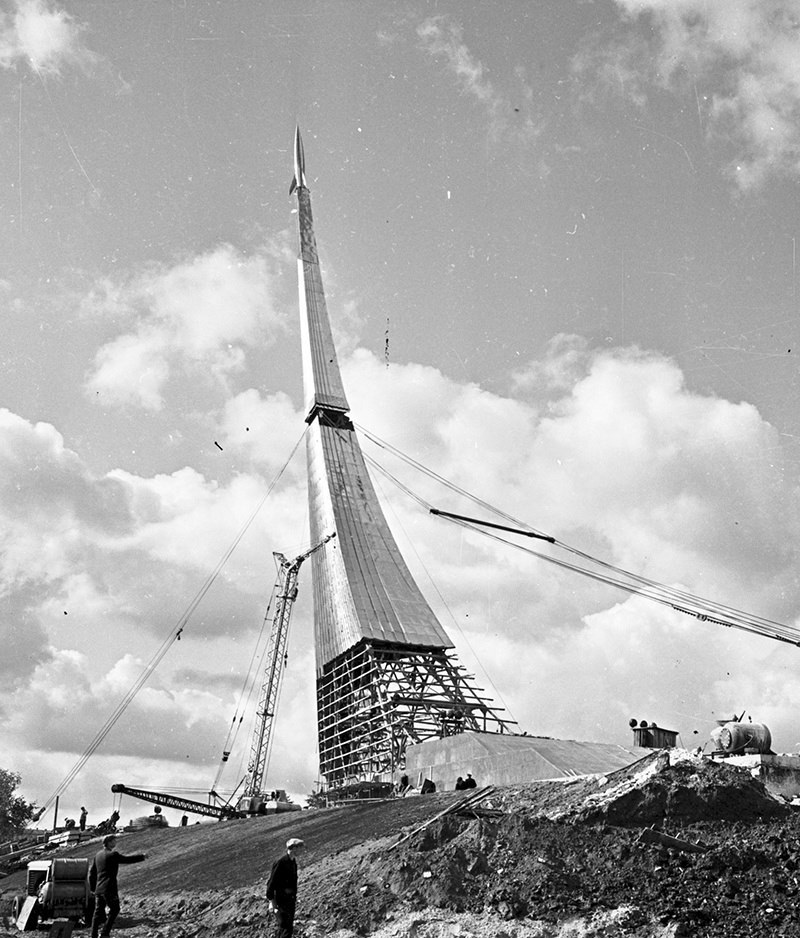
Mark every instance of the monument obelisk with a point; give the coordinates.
(387, 674)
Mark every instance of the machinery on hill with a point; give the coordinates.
(735, 738)
(730, 737)
(253, 799)
(165, 800)
(148, 822)
(56, 888)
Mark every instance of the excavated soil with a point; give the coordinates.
(662, 849)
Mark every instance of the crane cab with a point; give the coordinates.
(268, 802)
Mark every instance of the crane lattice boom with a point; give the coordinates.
(174, 801)
(285, 594)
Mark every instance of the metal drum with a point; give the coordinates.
(735, 738)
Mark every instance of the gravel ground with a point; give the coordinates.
(664, 849)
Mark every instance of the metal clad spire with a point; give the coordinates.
(362, 586)
(322, 380)
(386, 671)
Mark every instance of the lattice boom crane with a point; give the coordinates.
(253, 798)
(285, 594)
(175, 801)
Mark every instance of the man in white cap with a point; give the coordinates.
(282, 887)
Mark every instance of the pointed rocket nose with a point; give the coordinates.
(299, 161)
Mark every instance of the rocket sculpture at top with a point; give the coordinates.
(386, 673)
(299, 178)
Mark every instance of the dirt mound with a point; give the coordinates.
(665, 787)
(520, 869)
(654, 839)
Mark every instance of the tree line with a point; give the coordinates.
(15, 811)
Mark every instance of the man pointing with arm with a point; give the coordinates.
(103, 883)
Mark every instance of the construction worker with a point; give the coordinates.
(282, 887)
(103, 883)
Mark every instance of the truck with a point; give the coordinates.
(59, 888)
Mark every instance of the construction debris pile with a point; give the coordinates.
(694, 848)
(666, 787)
(662, 849)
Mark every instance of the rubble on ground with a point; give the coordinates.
(665, 787)
(721, 851)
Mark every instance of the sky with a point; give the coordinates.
(559, 244)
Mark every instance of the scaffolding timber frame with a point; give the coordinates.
(374, 700)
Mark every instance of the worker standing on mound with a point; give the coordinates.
(282, 887)
(103, 883)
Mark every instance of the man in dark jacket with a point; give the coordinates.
(282, 887)
(103, 883)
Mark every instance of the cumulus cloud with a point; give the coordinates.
(63, 525)
(620, 460)
(737, 59)
(197, 317)
(167, 730)
(671, 458)
(636, 660)
(161, 720)
(621, 447)
(267, 429)
(443, 38)
(95, 571)
(117, 556)
(44, 36)
(45, 489)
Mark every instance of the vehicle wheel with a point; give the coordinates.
(16, 909)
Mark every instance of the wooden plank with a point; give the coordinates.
(651, 836)
(468, 801)
(61, 928)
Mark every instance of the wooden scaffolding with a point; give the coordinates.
(375, 700)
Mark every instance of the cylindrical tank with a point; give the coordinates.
(737, 738)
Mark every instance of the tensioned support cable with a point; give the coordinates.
(678, 600)
(704, 610)
(242, 706)
(173, 636)
(490, 524)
